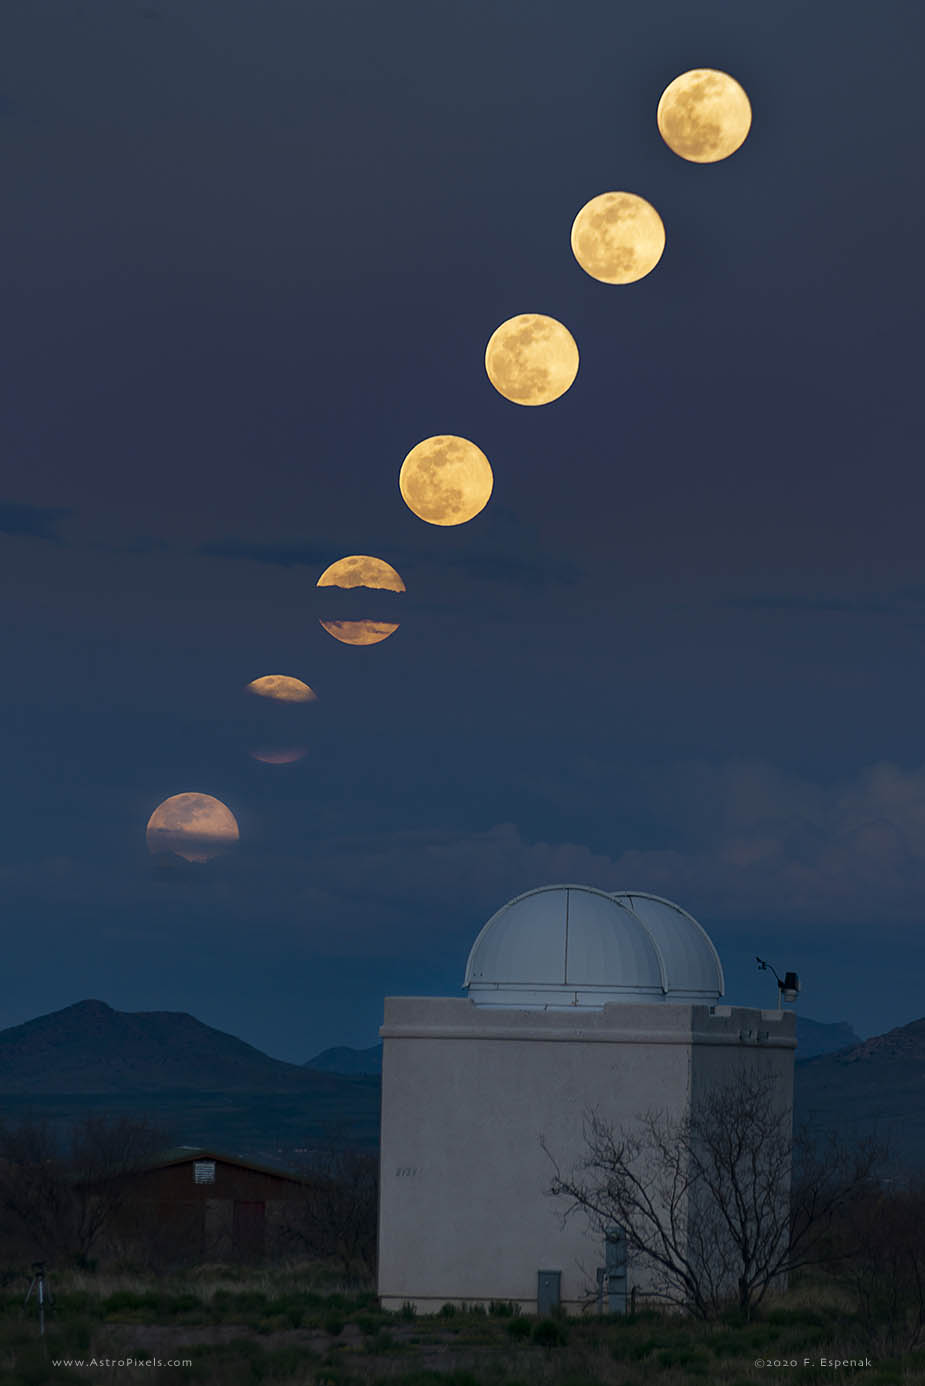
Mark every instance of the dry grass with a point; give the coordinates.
(311, 1276)
(296, 1324)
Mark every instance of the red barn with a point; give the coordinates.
(211, 1206)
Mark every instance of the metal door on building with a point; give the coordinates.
(248, 1234)
(548, 1291)
(611, 1277)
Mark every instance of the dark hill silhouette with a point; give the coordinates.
(91, 1048)
(814, 1037)
(211, 1089)
(343, 1059)
(874, 1088)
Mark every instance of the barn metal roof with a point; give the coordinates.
(573, 945)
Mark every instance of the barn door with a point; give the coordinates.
(248, 1230)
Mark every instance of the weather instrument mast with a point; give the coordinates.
(788, 989)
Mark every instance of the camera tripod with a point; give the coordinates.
(43, 1293)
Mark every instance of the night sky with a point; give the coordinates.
(251, 254)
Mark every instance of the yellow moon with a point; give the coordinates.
(281, 755)
(618, 237)
(361, 571)
(704, 115)
(531, 359)
(194, 826)
(282, 688)
(360, 632)
(446, 480)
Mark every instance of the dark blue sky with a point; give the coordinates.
(250, 255)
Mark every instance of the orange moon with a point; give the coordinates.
(281, 755)
(282, 688)
(446, 480)
(618, 238)
(531, 359)
(361, 571)
(196, 827)
(704, 115)
(360, 632)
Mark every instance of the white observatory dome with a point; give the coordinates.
(570, 945)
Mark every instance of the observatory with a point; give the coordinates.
(576, 999)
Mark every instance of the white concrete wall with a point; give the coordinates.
(467, 1095)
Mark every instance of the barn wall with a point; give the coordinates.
(244, 1214)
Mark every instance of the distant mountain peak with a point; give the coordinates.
(906, 1041)
(91, 1047)
(349, 1062)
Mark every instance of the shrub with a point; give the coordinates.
(447, 1311)
(407, 1311)
(503, 1308)
(550, 1333)
(694, 1362)
(520, 1327)
(805, 1317)
(380, 1341)
(333, 1324)
(368, 1323)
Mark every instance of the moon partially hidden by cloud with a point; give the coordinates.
(618, 238)
(359, 570)
(196, 827)
(282, 688)
(446, 480)
(280, 755)
(531, 359)
(360, 632)
(704, 115)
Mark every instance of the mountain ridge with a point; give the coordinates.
(91, 1047)
(216, 1090)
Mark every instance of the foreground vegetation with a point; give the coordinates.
(134, 1302)
(296, 1326)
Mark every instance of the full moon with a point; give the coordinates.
(360, 570)
(193, 826)
(282, 688)
(446, 480)
(531, 359)
(704, 115)
(360, 632)
(618, 237)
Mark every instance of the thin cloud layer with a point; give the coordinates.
(750, 843)
(32, 521)
(484, 565)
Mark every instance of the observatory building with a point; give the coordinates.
(576, 999)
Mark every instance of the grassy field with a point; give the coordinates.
(295, 1326)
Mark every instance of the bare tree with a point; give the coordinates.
(721, 1204)
(58, 1197)
(35, 1197)
(102, 1152)
(882, 1243)
(338, 1219)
